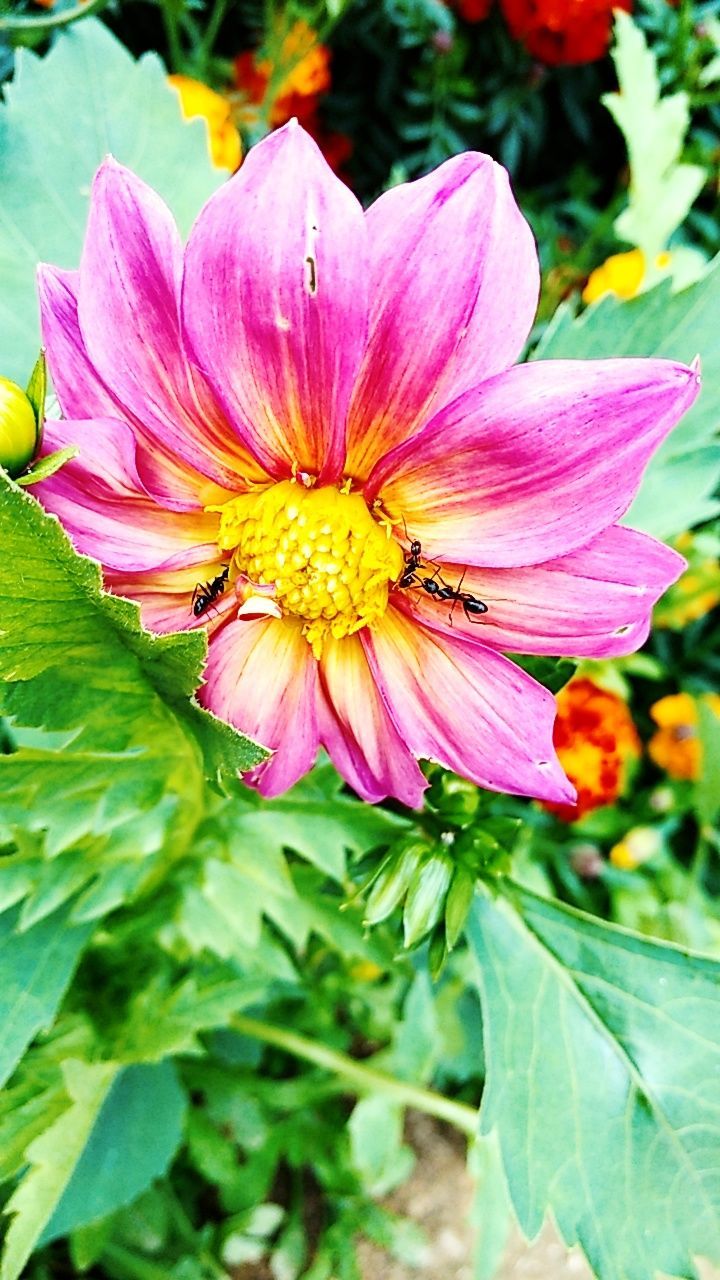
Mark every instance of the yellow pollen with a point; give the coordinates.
(329, 561)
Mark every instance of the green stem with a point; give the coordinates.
(362, 1079)
(128, 1266)
(211, 31)
(172, 34)
(49, 21)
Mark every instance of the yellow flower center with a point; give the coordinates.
(329, 561)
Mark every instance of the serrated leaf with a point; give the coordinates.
(35, 969)
(126, 780)
(161, 1023)
(661, 189)
(603, 1084)
(679, 484)
(52, 1158)
(116, 105)
(133, 1139)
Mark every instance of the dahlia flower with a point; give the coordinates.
(292, 428)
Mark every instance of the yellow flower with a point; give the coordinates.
(18, 428)
(639, 845)
(676, 747)
(621, 274)
(197, 99)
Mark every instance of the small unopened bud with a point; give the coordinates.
(395, 876)
(425, 901)
(18, 428)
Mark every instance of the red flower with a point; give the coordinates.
(563, 31)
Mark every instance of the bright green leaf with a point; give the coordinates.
(603, 1084)
(52, 1159)
(661, 188)
(116, 106)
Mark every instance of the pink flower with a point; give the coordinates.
(278, 412)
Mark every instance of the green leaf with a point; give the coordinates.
(679, 485)
(661, 189)
(126, 779)
(35, 969)
(707, 790)
(116, 105)
(47, 466)
(134, 1138)
(603, 1084)
(52, 1158)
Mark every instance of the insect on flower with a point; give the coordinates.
(286, 424)
(206, 593)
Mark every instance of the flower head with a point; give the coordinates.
(596, 741)
(196, 99)
(303, 432)
(676, 746)
(563, 31)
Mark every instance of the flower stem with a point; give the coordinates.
(362, 1079)
(48, 21)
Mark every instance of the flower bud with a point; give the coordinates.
(425, 901)
(393, 880)
(18, 428)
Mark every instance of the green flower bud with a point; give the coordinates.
(18, 428)
(457, 906)
(426, 897)
(392, 882)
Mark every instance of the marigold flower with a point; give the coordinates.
(302, 66)
(595, 739)
(676, 747)
(563, 31)
(621, 274)
(276, 423)
(18, 428)
(196, 99)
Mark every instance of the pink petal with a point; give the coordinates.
(262, 678)
(534, 463)
(453, 291)
(100, 500)
(357, 732)
(79, 387)
(595, 602)
(128, 293)
(166, 596)
(275, 303)
(466, 707)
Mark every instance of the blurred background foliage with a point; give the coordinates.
(215, 1010)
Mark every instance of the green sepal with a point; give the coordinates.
(457, 905)
(36, 392)
(394, 879)
(47, 466)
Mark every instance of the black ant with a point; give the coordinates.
(436, 587)
(206, 593)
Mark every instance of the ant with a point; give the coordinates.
(206, 593)
(436, 587)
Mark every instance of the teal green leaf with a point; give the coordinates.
(52, 1158)
(603, 1084)
(134, 1138)
(35, 970)
(662, 189)
(679, 485)
(116, 106)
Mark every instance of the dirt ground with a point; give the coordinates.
(438, 1197)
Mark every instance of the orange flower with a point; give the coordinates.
(676, 747)
(595, 739)
(296, 72)
(197, 99)
(563, 31)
